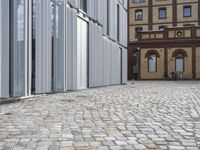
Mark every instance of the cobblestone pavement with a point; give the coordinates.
(149, 115)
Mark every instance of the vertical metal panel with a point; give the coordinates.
(71, 49)
(126, 4)
(96, 55)
(19, 61)
(29, 22)
(82, 54)
(73, 2)
(113, 19)
(123, 29)
(106, 60)
(124, 66)
(43, 46)
(91, 55)
(59, 49)
(4, 48)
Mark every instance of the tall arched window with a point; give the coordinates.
(180, 62)
(152, 62)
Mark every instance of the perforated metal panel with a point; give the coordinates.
(71, 49)
(59, 49)
(104, 57)
(43, 80)
(57, 64)
(19, 51)
(124, 66)
(4, 48)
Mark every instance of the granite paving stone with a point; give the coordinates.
(149, 115)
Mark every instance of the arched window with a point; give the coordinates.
(179, 62)
(152, 62)
(152, 56)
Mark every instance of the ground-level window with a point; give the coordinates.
(179, 62)
(152, 62)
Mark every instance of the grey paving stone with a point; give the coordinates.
(152, 115)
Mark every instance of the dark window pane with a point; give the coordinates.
(83, 5)
(162, 27)
(138, 29)
(162, 13)
(138, 15)
(138, 1)
(187, 11)
(152, 63)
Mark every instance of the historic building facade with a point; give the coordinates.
(164, 39)
(61, 45)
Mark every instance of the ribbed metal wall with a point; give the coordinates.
(71, 48)
(104, 59)
(124, 66)
(43, 68)
(4, 48)
(82, 53)
(123, 27)
(59, 49)
(19, 48)
(56, 63)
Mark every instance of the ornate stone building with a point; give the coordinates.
(164, 39)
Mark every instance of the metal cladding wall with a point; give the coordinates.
(82, 53)
(123, 27)
(43, 68)
(50, 46)
(65, 47)
(104, 59)
(113, 19)
(19, 48)
(59, 49)
(124, 65)
(4, 48)
(71, 48)
(103, 14)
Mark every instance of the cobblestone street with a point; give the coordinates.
(149, 115)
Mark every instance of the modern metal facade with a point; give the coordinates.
(61, 45)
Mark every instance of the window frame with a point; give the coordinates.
(137, 10)
(185, 7)
(163, 26)
(136, 32)
(140, 1)
(159, 10)
(156, 59)
(138, 28)
(183, 57)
